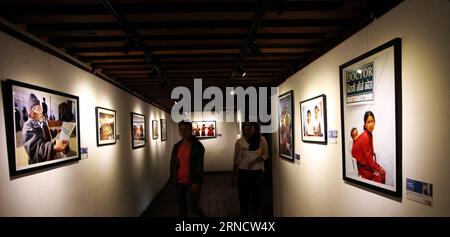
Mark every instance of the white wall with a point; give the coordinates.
(219, 151)
(314, 186)
(114, 180)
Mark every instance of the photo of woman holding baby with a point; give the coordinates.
(363, 152)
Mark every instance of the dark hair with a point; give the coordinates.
(351, 132)
(366, 116)
(186, 123)
(308, 112)
(255, 140)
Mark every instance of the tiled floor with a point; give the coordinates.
(218, 199)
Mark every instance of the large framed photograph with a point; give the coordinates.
(106, 126)
(204, 129)
(286, 125)
(313, 114)
(138, 130)
(371, 110)
(155, 129)
(42, 127)
(163, 130)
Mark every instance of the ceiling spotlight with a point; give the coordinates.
(163, 82)
(96, 71)
(279, 6)
(129, 45)
(255, 49)
(232, 93)
(153, 73)
(240, 72)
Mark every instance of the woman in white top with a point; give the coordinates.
(250, 152)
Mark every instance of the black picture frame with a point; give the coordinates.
(101, 125)
(138, 130)
(155, 129)
(204, 133)
(60, 114)
(372, 82)
(314, 131)
(286, 138)
(163, 130)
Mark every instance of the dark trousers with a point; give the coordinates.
(184, 195)
(250, 187)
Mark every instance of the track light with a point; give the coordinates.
(96, 71)
(255, 49)
(163, 81)
(129, 45)
(239, 71)
(154, 73)
(278, 5)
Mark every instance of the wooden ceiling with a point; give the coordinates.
(187, 39)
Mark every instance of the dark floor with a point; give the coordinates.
(218, 199)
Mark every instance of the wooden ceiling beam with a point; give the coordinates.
(112, 30)
(81, 17)
(92, 42)
(191, 52)
(301, 15)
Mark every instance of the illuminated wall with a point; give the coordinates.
(114, 180)
(314, 186)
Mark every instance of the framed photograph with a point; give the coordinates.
(371, 109)
(155, 129)
(42, 127)
(314, 119)
(286, 125)
(106, 126)
(163, 130)
(204, 129)
(138, 130)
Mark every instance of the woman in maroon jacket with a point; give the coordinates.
(363, 152)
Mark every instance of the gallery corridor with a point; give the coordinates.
(218, 199)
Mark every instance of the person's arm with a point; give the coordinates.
(366, 155)
(237, 152)
(37, 149)
(172, 167)
(197, 176)
(264, 150)
(263, 154)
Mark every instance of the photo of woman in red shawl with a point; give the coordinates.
(363, 152)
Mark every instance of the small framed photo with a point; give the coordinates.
(313, 114)
(286, 125)
(204, 129)
(106, 126)
(42, 127)
(155, 129)
(138, 130)
(163, 130)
